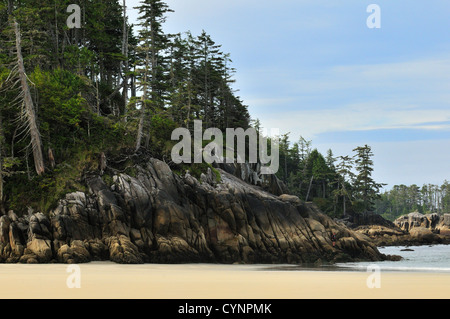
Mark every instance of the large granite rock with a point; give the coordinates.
(415, 219)
(427, 228)
(158, 216)
(410, 229)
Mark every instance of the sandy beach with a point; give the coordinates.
(150, 281)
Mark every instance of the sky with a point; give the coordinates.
(315, 69)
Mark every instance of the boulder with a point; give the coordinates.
(415, 219)
(423, 234)
(123, 251)
(41, 249)
(75, 253)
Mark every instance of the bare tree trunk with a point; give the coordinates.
(324, 189)
(29, 107)
(309, 188)
(97, 96)
(51, 158)
(140, 127)
(125, 54)
(10, 7)
(143, 102)
(102, 163)
(57, 35)
(345, 213)
(1, 161)
(189, 103)
(336, 199)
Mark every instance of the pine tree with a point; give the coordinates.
(210, 54)
(366, 189)
(344, 176)
(152, 41)
(182, 87)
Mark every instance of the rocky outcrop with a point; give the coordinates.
(433, 222)
(251, 174)
(157, 216)
(427, 228)
(411, 229)
(354, 220)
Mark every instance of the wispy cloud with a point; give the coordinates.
(403, 95)
(358, 117)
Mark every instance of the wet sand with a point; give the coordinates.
(108, 280)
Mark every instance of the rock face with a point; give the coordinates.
(411, 229)
(354, 220)
(250, 173)
(415, 220)
(427, 228)
(159, 217)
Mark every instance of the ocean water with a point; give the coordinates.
(434, 258)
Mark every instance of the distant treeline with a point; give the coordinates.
(402, 199)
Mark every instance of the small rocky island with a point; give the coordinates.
(410, 229)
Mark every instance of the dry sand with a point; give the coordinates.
(150, 281)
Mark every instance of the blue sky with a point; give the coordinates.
(313, 68)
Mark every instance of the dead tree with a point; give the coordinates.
(124, 66)
(28, 111)
(143, 105)
(51, 158)
(102, 163)
(1, 161)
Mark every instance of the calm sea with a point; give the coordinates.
(435, 258)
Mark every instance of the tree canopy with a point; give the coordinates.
(71, 94)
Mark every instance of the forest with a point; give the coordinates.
(68, 95)
(339, 185)
(402, 199)
(72, 96)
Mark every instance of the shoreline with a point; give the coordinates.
(106, 280)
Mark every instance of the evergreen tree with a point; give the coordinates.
(207, 74)
(344, 178)
(152, 43)
(366, 189)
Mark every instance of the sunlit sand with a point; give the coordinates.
(150, 281)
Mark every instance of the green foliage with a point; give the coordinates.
(325, 205)
(403, 199)
(330, 181)
(76, 78)
(161, 127)
(366, 189)
(61, 108)
(76, 58)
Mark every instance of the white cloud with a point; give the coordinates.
(409, 94)
(413, 162)
(357, 117)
